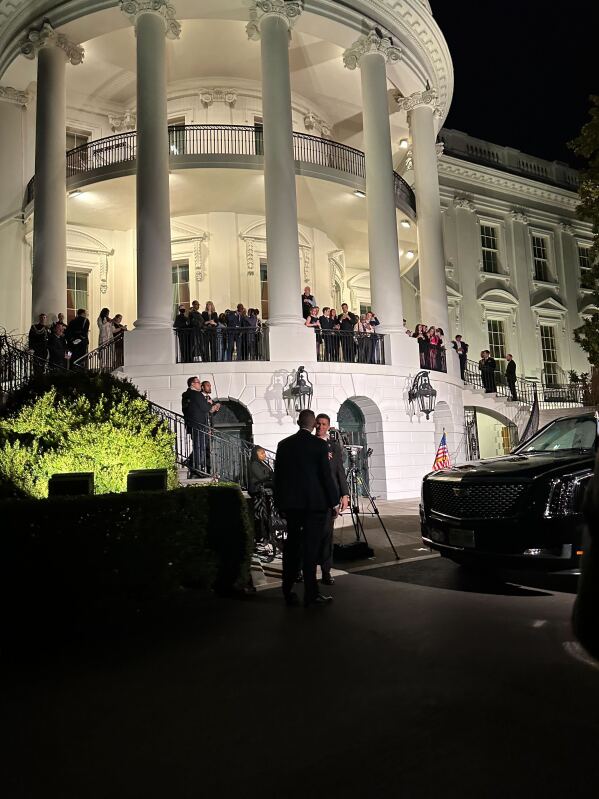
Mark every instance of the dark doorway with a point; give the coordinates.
(233, 423)
(351, 422)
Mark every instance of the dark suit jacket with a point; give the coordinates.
(195, 406)
(303, 479)
(337, 470)
(454, 344)
(510, 370)
(77, 328)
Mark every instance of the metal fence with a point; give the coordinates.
(221, 344)
(223, 140)
(18, 365)
(340, 346)
(105, 358)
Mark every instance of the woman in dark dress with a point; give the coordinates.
(260, 483)
(420, 335)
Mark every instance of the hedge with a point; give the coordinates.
(76, 552)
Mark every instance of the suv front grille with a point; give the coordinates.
(473, 500)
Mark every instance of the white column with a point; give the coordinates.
(153, 19)
(371, 53)
(421, 108)
(271, 22)
(49, 281)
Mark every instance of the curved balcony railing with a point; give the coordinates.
(229, 140)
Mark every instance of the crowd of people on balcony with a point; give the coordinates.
(431, 347)
(235, 335)
(60, 345)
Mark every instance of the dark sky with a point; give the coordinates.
(523, 70)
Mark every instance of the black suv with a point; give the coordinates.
(519, 510)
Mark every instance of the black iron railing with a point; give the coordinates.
(434, 358)
(18, 365)
(206, 452)
(496, 382)
(221, 344)
(223, 140)
(105, 358)
(341, 346)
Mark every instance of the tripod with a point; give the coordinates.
(355, 482)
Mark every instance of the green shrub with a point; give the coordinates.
(76, 552)
(80, 423)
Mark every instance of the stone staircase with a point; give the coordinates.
(517, 413)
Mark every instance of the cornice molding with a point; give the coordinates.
(371, 42)
(262, 9)
(133, 9)
(46, 36)
(14, 96)
(452, 167)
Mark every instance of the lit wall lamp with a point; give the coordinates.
(298, 392)
(423, 393)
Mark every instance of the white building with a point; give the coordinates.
(282, 114)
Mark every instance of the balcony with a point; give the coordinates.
(237, 146)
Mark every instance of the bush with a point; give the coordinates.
(75, 422)
(72, 553)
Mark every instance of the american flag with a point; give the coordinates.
(442, 457)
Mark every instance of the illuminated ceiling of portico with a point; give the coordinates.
(325, 205)
(209, 48)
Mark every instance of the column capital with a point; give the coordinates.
(566, 228)
(123, 122)
(518, 215)
(133, 9)
(287, 10)
(372, 42)
(427, 98)
(46, 36)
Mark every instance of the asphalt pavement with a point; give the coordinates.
(418, 681)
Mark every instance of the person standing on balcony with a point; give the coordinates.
(197, 407)
(78, 335)
(487, 366)
(346, 321)
(510, 376)
(58, 348)
(308, 302)
(210, 317)
(104, 323)
(196, 323)
(462, 350)
(38, 342)
(181, 328)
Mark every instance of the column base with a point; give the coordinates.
(291, 343)
(402, 350)
(145, 346)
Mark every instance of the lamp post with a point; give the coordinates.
(423, 393)
(298, 392)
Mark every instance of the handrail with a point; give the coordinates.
(105, 358)
(18, 365)
(346, 346)
(206, 452)
(223, 140)
(221, 344)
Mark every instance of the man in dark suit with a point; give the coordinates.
(335, 454)
(77, 335)
(462, 350)
(510, 376)
(198, 407)
(305, 492)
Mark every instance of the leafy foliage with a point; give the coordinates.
(587, 146)
(78, 423)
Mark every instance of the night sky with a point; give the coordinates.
(523, 70)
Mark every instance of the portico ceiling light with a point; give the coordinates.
(405, 223)
(74, 193)
(410, 253)
(403, 143)
(359, 193)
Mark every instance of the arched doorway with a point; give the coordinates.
(233, 421)
(233, 424)
(351, 422)
(488, 434)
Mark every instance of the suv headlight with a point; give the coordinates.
(565, 495)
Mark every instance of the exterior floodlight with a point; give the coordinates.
(423, 393)
(298, 392)
(405, 223)
(359, 193)
(410, 254)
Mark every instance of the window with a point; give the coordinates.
(496, 332)
(76, 138)
(584, 258)
(176, 136)
(490, 250)
(549, 355)
(180, 272)
(540, 259)
(263, 288)
(77, 162)
(259, 135)
(77, 293)
(364, 309)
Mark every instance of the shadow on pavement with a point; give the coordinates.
(442, 573)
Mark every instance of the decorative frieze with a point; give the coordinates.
(260, 9)
(161, 8)
(306, 255)
(14, 96)
(119, 123)
(46, 36)
(372, 42)
(210, 96)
